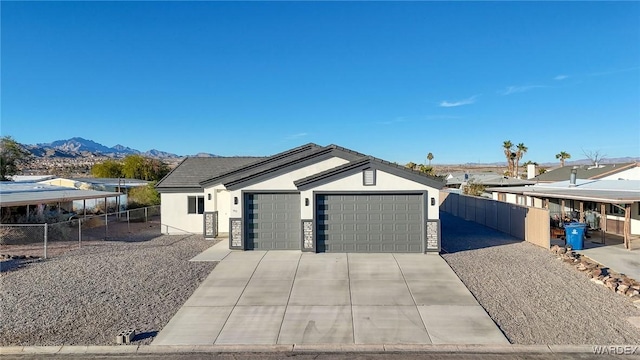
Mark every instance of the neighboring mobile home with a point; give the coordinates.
(610, 205)
(310, 198)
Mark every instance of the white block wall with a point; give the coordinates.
(174, 216)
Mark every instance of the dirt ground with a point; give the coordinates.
(10, 255)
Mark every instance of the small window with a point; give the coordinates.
(615, 210)
(369, 177)
(195, 205)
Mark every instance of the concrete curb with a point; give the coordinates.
(302, 348)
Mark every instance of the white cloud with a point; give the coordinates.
(519, 89)
(467, 101)
(297, 136)
(560, 77)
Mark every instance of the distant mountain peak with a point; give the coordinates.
(125, 149)
(79, 147)
(202, 154)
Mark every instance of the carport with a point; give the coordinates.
(32, 195)
(621, 196)
(622, 200)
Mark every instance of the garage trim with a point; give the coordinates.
(423, 221)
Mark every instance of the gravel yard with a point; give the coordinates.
(88, 295)
(532, 296)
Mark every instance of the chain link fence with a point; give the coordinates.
(47, 240)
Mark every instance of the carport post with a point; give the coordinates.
(145, 214)
(581, 211)
(106, 220)
(603, 221)
(627, 226)
(79, 232)
(45, 240)
(128, 222)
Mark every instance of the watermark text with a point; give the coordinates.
(616, 350)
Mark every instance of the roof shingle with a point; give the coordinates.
(192, 170)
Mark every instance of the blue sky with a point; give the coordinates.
(391, 79)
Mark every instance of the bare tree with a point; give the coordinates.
(595, 156)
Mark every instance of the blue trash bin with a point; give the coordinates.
(575, 235)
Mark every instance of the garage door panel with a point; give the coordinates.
(362, 207)
(273, 221)
(414, 217)
(369, 223)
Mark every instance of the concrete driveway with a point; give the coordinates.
(289, 297)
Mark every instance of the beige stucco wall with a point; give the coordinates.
(281, 183)
(384, 182)
(174, 216)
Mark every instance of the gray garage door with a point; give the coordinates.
(273, 221)
(369, 223)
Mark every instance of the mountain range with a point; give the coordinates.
(79, 147)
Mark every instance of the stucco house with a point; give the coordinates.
(310, 198)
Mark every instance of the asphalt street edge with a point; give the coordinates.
(326, 348)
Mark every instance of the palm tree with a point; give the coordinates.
(429, 157)
(507, 146)
(562, 156)
(521, 149)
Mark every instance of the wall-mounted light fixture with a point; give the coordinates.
(433, 201)
(235, 200)
(306, 201)
(209, 196)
